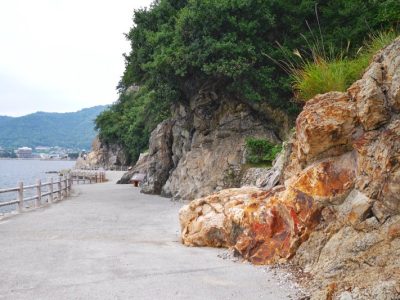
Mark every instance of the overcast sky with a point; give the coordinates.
(61, 55)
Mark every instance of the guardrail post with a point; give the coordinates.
(69, 183)
(62, 181)
(51, 190)
(21, 196)
(38, 201)
(59, 192)
(66, 185)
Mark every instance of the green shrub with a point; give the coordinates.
(130, 120)
(260, 151)
(326, 73)
(187, 45)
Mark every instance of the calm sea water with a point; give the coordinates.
(28, 171)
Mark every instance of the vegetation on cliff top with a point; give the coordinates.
(326, 73)
(180, 46)
(131, 119)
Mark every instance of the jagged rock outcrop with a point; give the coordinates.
(102, 155)
(159, 158)
(337, 212)
(217, 141)
(201, 149)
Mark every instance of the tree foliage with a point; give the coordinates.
(130, 121)
(178, 46)
(186, 43)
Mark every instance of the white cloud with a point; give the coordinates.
(61, 55)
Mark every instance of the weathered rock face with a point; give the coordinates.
(338, 213)
(159, 161)
(324, 128)
(351, 250)
(372, 110)
(201, 149)
(379, 165)
(103, 155)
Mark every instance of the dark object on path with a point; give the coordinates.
(137, 179)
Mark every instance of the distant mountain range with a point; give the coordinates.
(68, 130)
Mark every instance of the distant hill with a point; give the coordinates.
(69, 130)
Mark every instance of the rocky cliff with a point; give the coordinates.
(336, 211)
(201, 150)
(102, 155)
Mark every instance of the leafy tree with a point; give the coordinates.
(179, 46)
(130, 121)
(185, 44)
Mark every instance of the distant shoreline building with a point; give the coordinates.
(24, 152)
(42, 149)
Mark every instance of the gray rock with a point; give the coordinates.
(107, 156)
(160, 160)
(381, 212)
(208, 145)
(201, 148)
(345, 296)
(355, 208)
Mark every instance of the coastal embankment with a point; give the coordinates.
(110, 241)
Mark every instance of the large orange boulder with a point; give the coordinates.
(277, 225)
(216, 220)
(267, 226)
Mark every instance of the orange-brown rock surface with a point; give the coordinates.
(266, 226)
(325, 126)
(336, 213)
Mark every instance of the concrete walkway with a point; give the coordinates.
(111, 242)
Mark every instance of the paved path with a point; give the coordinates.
(111, 242)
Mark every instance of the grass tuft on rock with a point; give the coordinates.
(326, 72)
